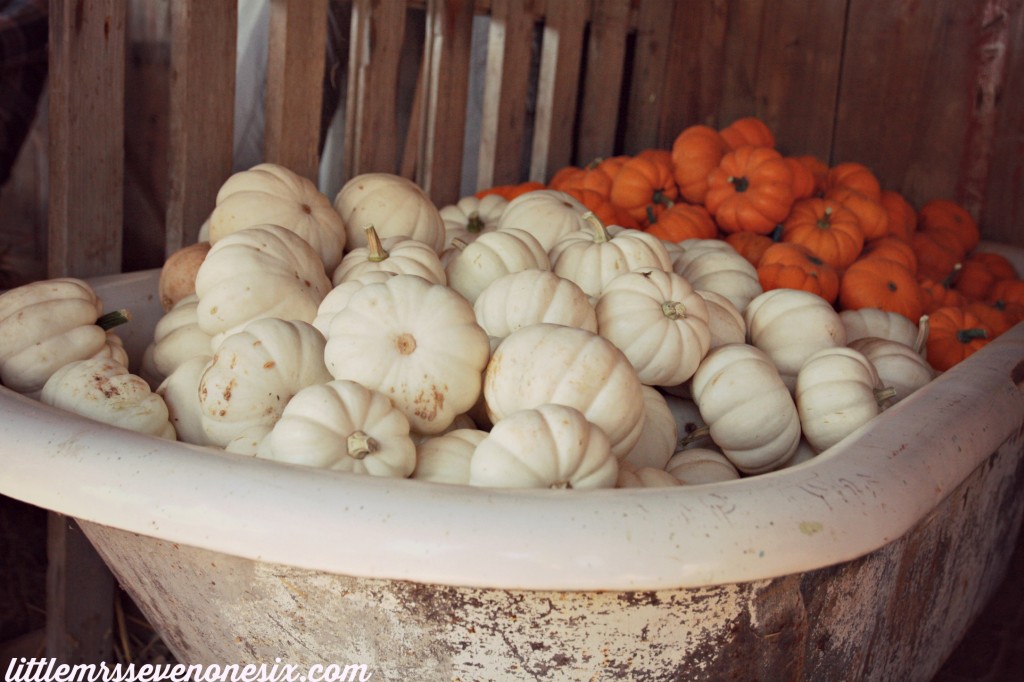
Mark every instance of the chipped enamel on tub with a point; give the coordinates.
(869, 561)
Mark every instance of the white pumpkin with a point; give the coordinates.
(249, 440)
(527, 297)
(549, 363)
(176, 338)
(713, 265)
(837, 392)
(445, 458)
(804, 453)
(547, 214)
(790, 325)
(882, 324)
(492, 255)
(343, 426)
(338, 297)
(899, 366)
(255, 372)
(659, 436)
(399, 255)
(471, 216)
(548, 446)
(658, 320)
(697, 466)
(747, 406)
(180, 391)
(416, 342)
(594, 256)
(261, 271)
(393, 205)
(644, 477)
(272, 194)
(46, 324)
(105, 391)
(724, 319)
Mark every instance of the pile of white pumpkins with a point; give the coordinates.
(489, 343)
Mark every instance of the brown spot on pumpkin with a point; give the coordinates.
(228, 388)
(1017, 374)
(269, 364)
(306, 208)
(428, 403)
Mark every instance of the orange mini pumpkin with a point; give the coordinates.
(510, 192)
(881, 283)
(948, 217)
(938, 253)
(752, 245)
(902, 216)
(855, 176)
(872, 216)
(939, 293)
(750, 190)
(792, 266)
(892, 248)
(695, 152)
(804, 184)
(644, 185)
(954, 334)
(980, 271)
(683, 221)
(831, 232)
(589, 177)
(749, 130)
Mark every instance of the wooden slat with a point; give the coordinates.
(602, 81)
(1001, 206)
(739, 59)
(693, 80)
(86, 109)
(371, 128)
(648, 84)
(797, 73)
(445, 90)
(79, 597)
(295, 84)
(903, 112)
(503, 120)
(557, 86)
(203, 36)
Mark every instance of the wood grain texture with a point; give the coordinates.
(557, 88)
(694, 74)
(647, 81)
(295, 84)
(86, 110)
(503, 120)
(371, 122)
(201, 122)
(602, 80)
(445, 90)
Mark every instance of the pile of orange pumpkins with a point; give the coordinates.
(830, 230)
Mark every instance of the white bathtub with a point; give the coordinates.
(868, 562)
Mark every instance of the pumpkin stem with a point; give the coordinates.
(921, 341)
(947, 282)
(776, 234)
(360, 444)
(740, 184)
(972, 334)
(825, 221)
(377, 251)
(693, 436)
(600, 231)
(475, 223)
(459, 244)
(115, 318)
(561, 485)
(882, 395)
(673, 310)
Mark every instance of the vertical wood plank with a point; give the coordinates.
(992, 180)
(903, 112)
(445, 90)
(557, 87)
(203, 38)
(371, 127)
(740, 57)
(797, 76)
(503, 120)
(295, 84)
(647, 77)
(693, 80)
(86, 109)
(79, 597)
(602, 81)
